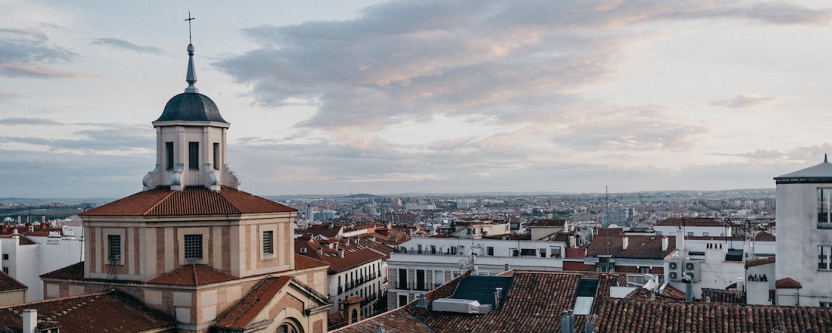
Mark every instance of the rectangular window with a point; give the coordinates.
(555, 251)
(193, 155)
(690, 234)
(644, 270)
(402, 300)
(268, 247)
(193, 246)
(490, 251)
(5, 256)
(169, 152)
(216, 156)
(403, 279)
(6, 270)
(821, 304)
(543, 253)
(824, 201)
(823, 257)
(420, 279)
(114, 242)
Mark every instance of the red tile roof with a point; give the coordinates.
(74, 272)
(8, 283)
(630, 316)
(304, 262)
(396, 321)
(353, 254)
(193, 200)
(241, 314)
(113, 311)
(723, 296)
(193, 275)
(691, 222)
(765, 237)
(759, 262)
(787, 283)
(547, 223)
(352, 300)
(638, 246)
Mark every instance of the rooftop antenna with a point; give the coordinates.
(607, 210)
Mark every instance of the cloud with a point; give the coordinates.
(5, 97)
(28, 121)
(404, 60)
(747, 101)
(26, 53)
(125, 45)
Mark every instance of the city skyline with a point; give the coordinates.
(390, 97)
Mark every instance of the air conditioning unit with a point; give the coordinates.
(674, 270)
(692, 269)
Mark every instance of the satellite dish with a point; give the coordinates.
(462, 263)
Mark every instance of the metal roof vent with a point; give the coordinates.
(423, 302)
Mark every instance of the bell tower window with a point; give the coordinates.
(193, 155)
(169, 153)
(216, 156)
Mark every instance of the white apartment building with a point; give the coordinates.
(421, 264)
(804, 237)
(25, 258)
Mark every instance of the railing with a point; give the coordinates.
(340, 290)
(824, 225)
(436, 285)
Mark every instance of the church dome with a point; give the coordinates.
(191, 107)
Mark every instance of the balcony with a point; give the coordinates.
(824, 225)
(340, 290)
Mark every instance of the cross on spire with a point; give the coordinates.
(189, 19)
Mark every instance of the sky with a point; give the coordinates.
(447, 96)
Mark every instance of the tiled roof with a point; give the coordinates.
(8, 283)
(323, 230)
(638, 246)
(193, 200)
(546, 223)
(113, 311)
(691, 222)
(723, 296)
(353, 254)
(533, 303)
(631, 316)
(765, 237)
(648, 295)
(193, 275)
(241, 314)
(304, 262)
(352, 300)
(759, 262)
(787, 283)
(74, 271)
(396, 321)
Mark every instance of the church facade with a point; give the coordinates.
(193, 245)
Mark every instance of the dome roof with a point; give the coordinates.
(191, 107)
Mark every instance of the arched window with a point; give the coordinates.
(354, 316)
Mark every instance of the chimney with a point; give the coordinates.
(340, 253)
(355, 240)
(331, 225)
(380, 328)
(590, 323)
(320, 250)
(625, 241)
(567, 322)
(498, 296)
(30, 321)
(664, 243)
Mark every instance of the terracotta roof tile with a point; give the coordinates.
(691, 222)
(353, 254)
(396, 321)
(193, 200)
(193, 275)
(651, 248)
(113, 311)
(241, 314)
(352, 300)
(74, 272)
(759, 262)
(787, 283)
(304, 262)
(546, 223)
(8, 283)
(723, 296)
(765, 237)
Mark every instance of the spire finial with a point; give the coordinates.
(191, 76)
